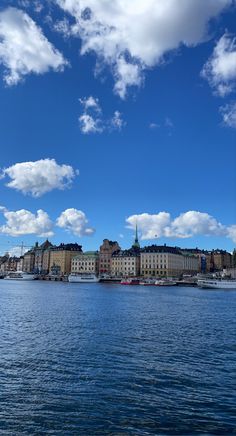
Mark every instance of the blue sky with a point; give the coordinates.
(146, 113)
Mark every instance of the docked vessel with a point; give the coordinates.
(147, 282)
(165, 282)
(19, 275)
(216, 284)
(130, 281)
(83, 278)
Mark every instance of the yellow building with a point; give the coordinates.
(86, 262)
(163, 261)
(125, 263)
(61, 256)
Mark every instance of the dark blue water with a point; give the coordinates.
(115, 360)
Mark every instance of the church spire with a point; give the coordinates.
(136, 242)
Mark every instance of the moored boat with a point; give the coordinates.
(165, 282)
(83, 278)
(130, 281)
(19, 275)
(216, 284)
(147, 282)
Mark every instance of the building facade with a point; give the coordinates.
(61, 256)
(39, 255)
(125, 263)
(28, 261)
(105, 254)
(86, 262)
(163, 261)
(221, 259)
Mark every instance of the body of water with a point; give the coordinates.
(102, 359)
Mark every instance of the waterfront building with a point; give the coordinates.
(38, 257)
(19, 263)
(28, 261)
(105, 254)
(205, 258)
(190, 264)
(164, 261)
(234, 259)
(61, 256)
(86, 262)
(125, 263)
(8, 263)
(46, 260)
(221, 259)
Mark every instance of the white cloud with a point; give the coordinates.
(90, 124)
(131, 36)
(23, 47)
(90, 103)
(24, 222)
(167, 123)
(150, 226)
(154, 126)
(117, 122)
(75, 221)
(186, 225)
(196, 223)
(37, 178)
(229, 114)
(92, 119)
(232, 233)
(220, 69)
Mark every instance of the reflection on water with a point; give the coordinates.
(110, 360)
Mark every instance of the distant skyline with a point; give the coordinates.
(117, 113)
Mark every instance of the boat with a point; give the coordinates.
(19, 275)
(83, 278)
(216, 284)
(165, 282)
(147, 282)
(130, 281)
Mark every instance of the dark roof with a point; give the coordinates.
(67, 247)
(126, 253)
(160, 249)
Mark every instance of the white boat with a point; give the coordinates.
(165, 282)
(83, 278)
(216, 284)
(147, 282)
(19, 275)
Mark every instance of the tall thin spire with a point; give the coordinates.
(136, 242)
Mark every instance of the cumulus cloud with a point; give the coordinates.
(131, 36)
(24, 222)
(186, 225)
(117, 122)
(37, 178)
(23, 47)
(220, 69)
(92, 119)
(90, 124)
(90, 103)
(75, 221)
(232, 233)
(228, 113)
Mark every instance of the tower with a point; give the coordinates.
(136, 242)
